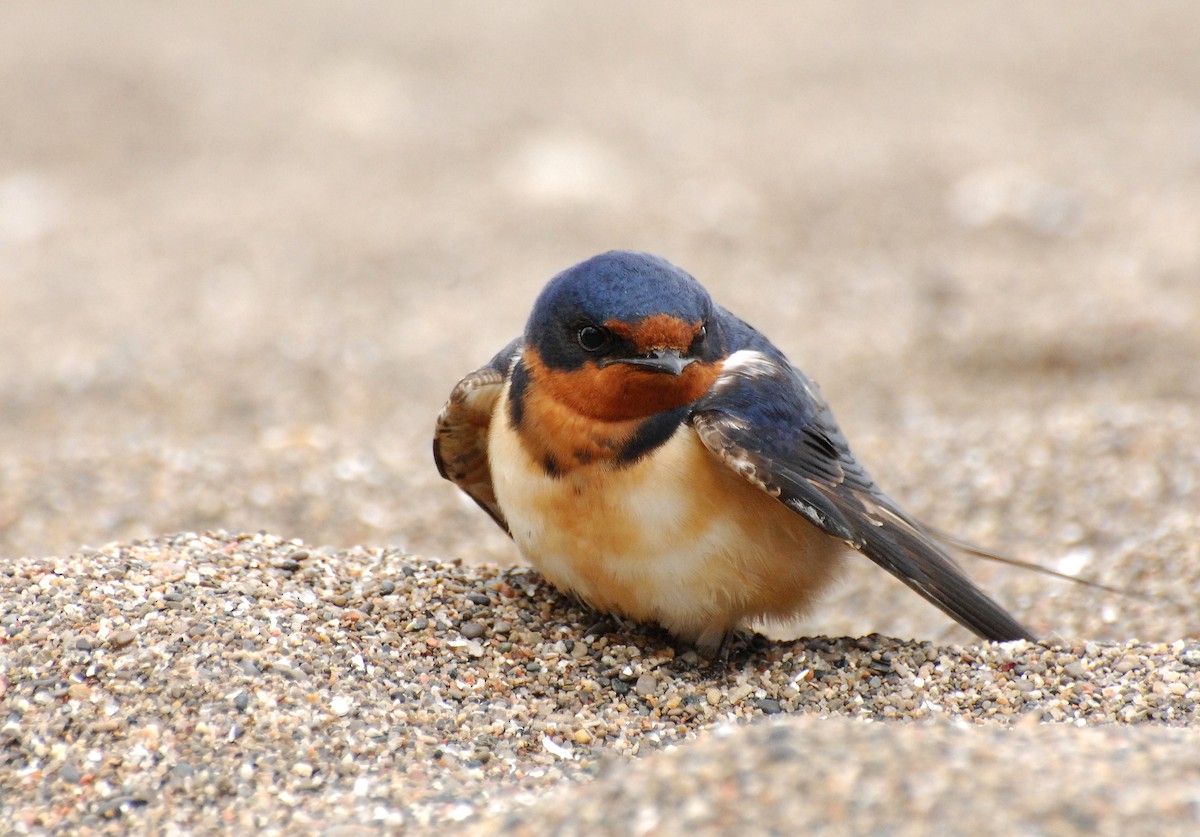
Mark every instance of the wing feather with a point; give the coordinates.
(768, 422)
(461, 433)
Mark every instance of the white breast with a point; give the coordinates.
(676, 538)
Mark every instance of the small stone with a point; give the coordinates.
(768, 706)
(646, 685)
(70, 774)
(713, 696)
(302, 769)
(881, 666)
(386, 588)
(122, 638)
(241, 701)
(1127, 664)
(83, 644)
(582, 736)
(111, 809)
(471, 630)
(478, 598)
(341, 705)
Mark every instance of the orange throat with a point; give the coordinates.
(588, 416)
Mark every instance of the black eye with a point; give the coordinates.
(698, 340)
(592, 339)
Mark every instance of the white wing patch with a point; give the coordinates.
(747, 363)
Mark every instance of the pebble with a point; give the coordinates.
(122, 638)
(471, 630)
(768, 706)
(646, 685)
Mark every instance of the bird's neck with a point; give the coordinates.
(562, 439)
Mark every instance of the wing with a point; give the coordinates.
(769, 423)
(461, 434)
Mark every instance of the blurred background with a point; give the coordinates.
(247, 249)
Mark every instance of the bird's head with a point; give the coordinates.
(623, 336)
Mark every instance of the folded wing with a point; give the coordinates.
(769, 423)
(461, 434)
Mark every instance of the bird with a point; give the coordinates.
(661, 460)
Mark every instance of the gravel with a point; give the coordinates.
(219, 689)
(814, 775)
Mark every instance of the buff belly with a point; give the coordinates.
(676, 538)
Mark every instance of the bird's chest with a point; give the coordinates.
(629, 537)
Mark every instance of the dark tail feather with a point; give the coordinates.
(905, 550)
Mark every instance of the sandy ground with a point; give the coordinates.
(245, 251)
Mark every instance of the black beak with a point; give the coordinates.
(658, 360)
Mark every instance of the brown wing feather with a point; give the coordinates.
(461, 435)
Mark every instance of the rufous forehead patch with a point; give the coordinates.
(661, 331)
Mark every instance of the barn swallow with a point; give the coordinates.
(659, 458)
